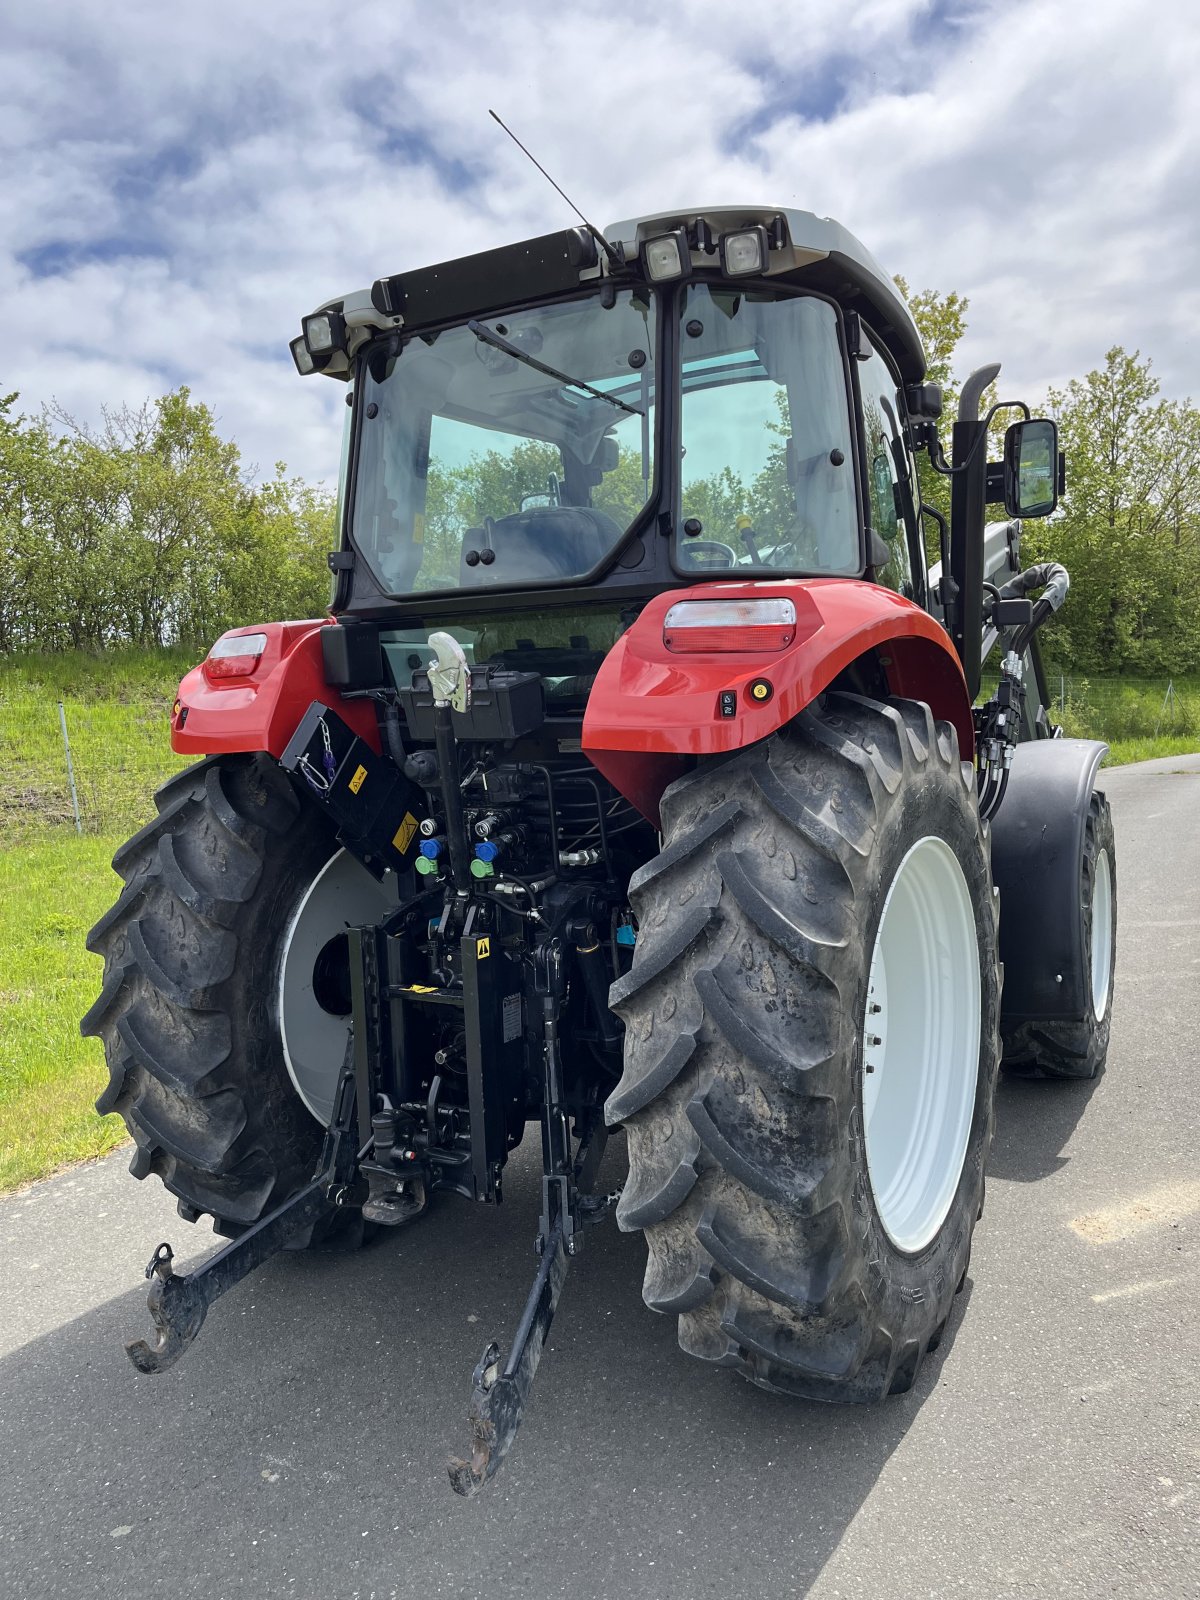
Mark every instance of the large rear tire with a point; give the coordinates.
(809, 1228)
(190, 1010)
(1080, 1049)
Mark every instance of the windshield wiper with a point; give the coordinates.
(486, 336)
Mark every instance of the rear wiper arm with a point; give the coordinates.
(486, 336)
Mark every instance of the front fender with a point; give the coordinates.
(262, 711)
(1037, 860)
(651, 708)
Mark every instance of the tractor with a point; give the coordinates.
(641, 778)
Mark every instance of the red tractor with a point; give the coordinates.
(635, 781)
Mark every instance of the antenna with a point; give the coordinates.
(615, 256)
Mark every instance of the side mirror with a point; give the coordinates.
(1031, 468)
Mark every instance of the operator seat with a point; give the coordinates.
(538, 545)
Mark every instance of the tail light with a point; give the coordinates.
(728, 625)
(235, 655)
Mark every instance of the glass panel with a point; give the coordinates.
(886, 459)
(767, 448)
(1037, 468)
(514, 450)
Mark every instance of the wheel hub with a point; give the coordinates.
(921, 1029)
(1102, 910)
(314, 990)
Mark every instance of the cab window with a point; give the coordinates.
(887, 470)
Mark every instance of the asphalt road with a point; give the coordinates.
(1050, 1448)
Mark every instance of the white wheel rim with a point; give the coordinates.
(921, 1046)
(342, 895)
(1102, 898)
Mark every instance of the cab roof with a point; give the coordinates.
(809, 251)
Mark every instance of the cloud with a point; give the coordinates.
(181, 184)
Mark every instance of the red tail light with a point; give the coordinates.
(235, 655)
(729, 625)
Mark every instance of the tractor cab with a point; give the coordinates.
(724, 395)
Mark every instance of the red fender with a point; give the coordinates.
(652, 708)
(261, 712)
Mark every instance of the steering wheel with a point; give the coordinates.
(712, 552)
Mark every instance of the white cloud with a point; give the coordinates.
(253, 160)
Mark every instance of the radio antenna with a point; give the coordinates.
(615, 256)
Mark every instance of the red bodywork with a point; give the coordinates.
(651, 708)
(261, 712)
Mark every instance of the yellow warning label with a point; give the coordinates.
(483, 947)
(418, 529)
(359, 778)
(403, 835)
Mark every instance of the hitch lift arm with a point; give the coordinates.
(178, 1305)
(499, 1393)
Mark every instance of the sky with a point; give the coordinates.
(180, 184)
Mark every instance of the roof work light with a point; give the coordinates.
(324, 333)
(667, 256)
(744, 252)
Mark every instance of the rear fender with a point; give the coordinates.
(652, 710)
(1037, 856)
(262, 711)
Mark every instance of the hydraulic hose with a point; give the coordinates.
(1051, 577)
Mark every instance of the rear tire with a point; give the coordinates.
(189, 1010)
(752, 1170)
(1080, 1049)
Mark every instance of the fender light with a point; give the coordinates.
(235, 655)
(729, 625)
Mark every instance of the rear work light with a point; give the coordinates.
(235, 655)
(667, 256)
(720, 625)
(745, 252)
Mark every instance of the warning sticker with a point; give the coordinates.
(403, 835)
(359, 778)
(483, 947)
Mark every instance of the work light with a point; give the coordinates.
(300, 355)
(667, 256)
(324, 333)
(744, 252)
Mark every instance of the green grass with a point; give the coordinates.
(1123, 751)
(55, 884)
(50, 894)
(116, 712)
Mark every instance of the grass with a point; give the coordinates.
(116, 713)
(54, 884)
(51, 892)
(1123, 751)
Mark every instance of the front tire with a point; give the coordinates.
(191, 1011)
(770, 1176)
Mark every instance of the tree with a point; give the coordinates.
(1129, 530)
(146, 531)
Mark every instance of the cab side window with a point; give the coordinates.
(888, 469)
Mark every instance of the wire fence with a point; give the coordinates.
(1120, 709)
(92, 764)
(87, 766)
